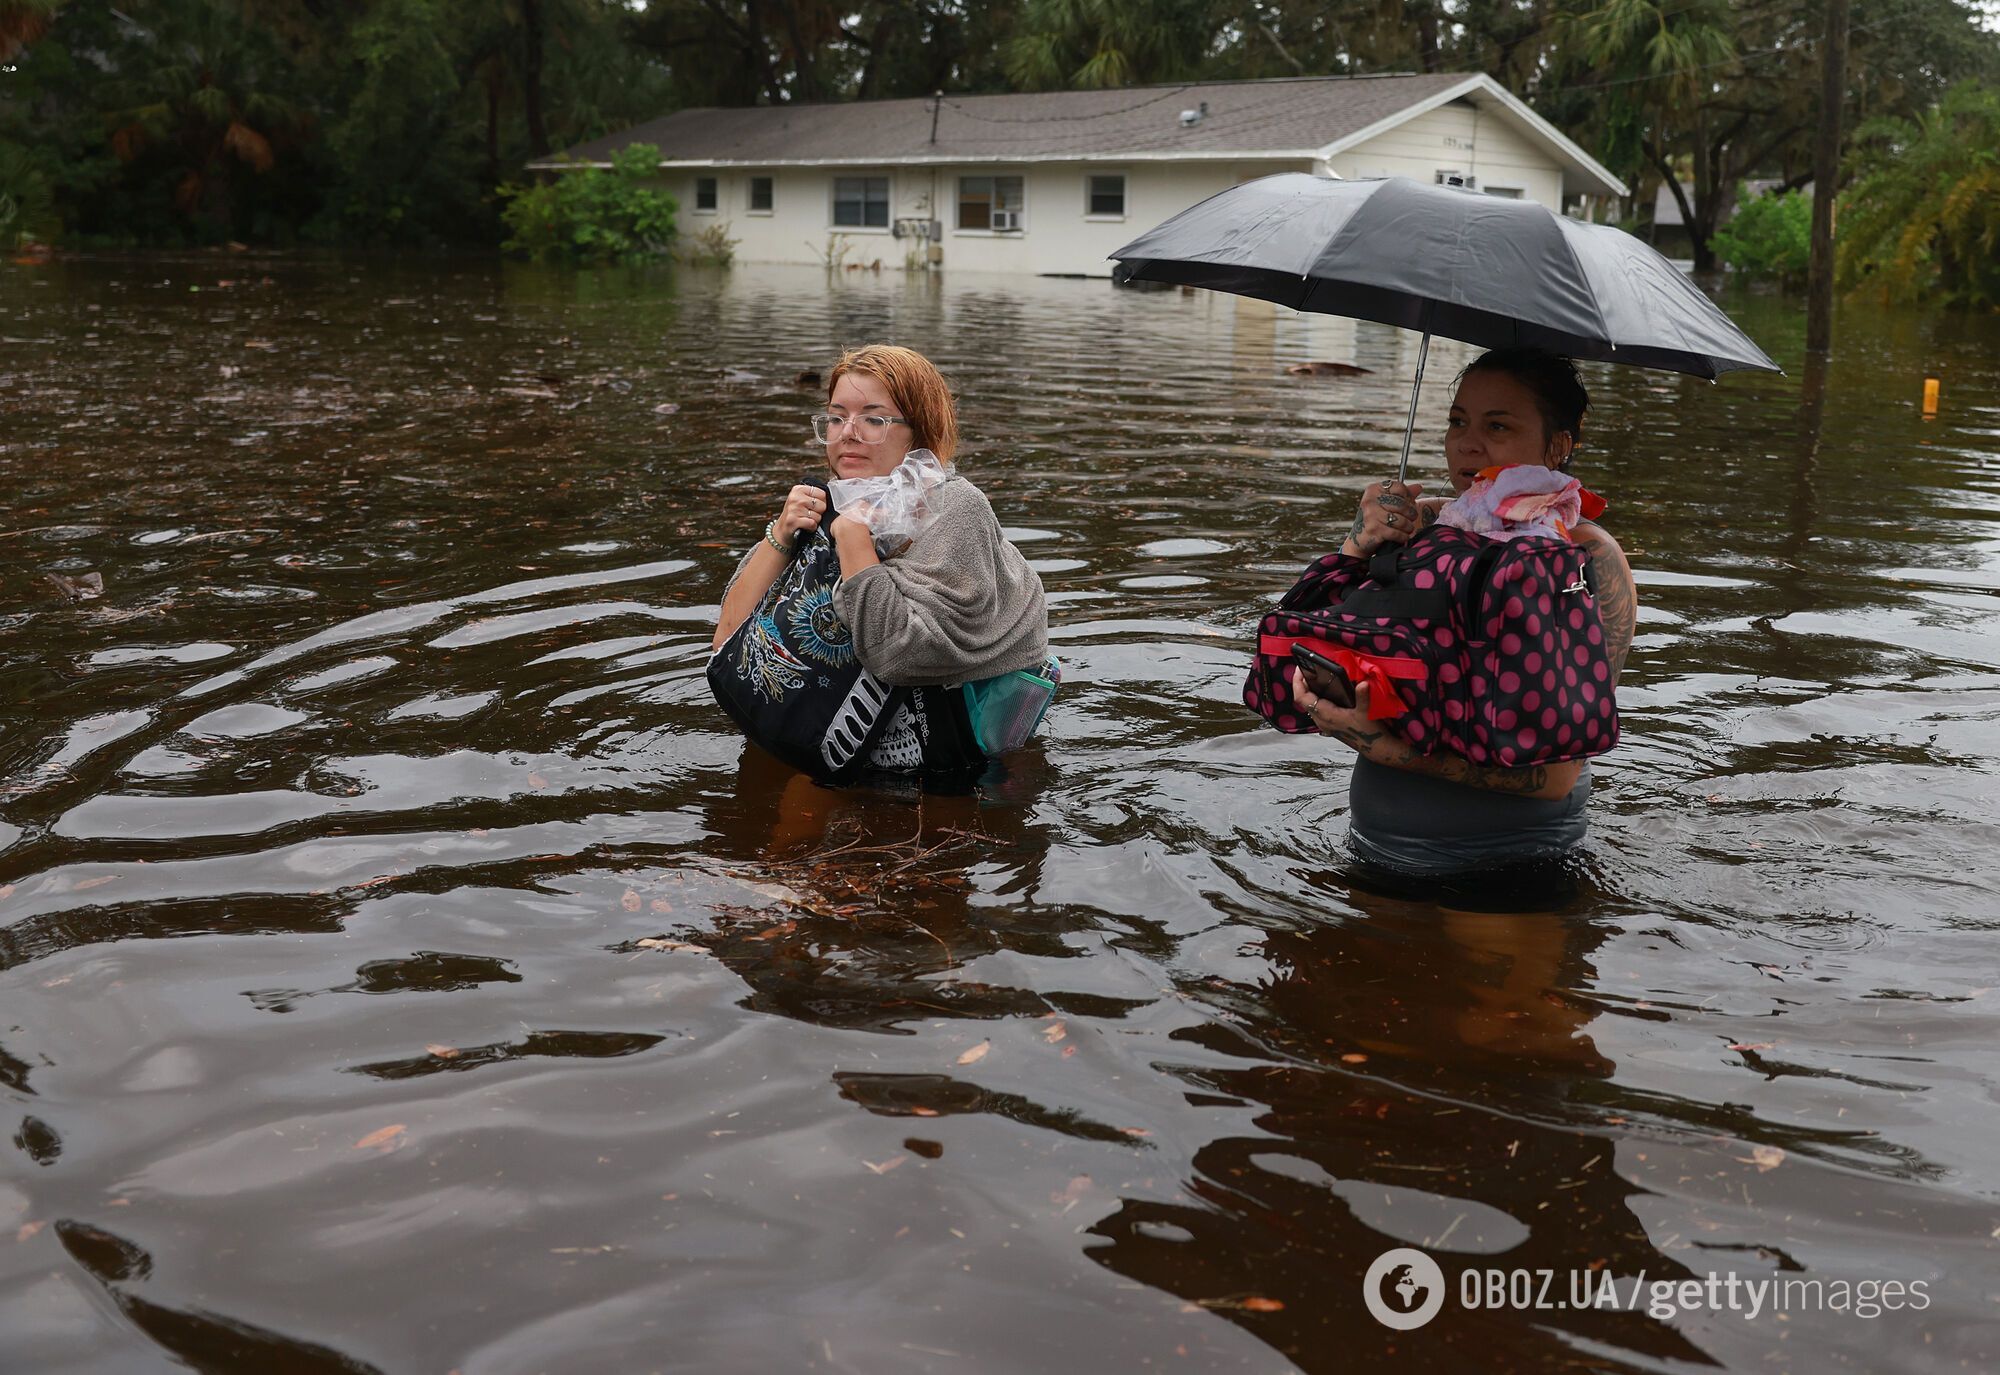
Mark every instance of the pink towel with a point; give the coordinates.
(1524, 499)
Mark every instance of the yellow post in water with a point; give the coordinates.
(1930, 398)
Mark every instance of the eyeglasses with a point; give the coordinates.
(869, 429)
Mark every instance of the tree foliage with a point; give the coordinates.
(1921, 220)
(1093, 44)
(1697, 95)
(27, 201)
(396, 121)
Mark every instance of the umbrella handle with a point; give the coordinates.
(1410, 426)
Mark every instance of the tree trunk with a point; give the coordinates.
(1673, 184)
(1427, 36)
(758, 53)
(802, 56)
(878, 44)
(531, 79)
(1707, 206)
(1826, 177)
(492, 124)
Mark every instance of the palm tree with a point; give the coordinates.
(1096, 44)
(201, 111)
(1922, 217)
(22, 22)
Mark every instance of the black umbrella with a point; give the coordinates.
(1444, 260)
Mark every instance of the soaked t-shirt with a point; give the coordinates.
(1418, 824)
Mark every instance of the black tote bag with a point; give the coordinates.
(790, 678)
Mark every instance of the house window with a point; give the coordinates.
(1509, 193)
(704, 193)
(861, 202)
(760, 195)
(1106, 196)
(989, 203)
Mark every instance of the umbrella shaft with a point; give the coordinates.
(1410, 427)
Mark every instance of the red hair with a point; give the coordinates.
(915, 385)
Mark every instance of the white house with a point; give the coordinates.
(1051, 182)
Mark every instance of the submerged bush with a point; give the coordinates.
(27, 201)
(592, 214)
(709, 247)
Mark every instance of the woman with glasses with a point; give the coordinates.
(958, 605)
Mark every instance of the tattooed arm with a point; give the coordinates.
(1351, 726)
(1617, 601)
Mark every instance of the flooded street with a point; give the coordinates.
(404, 967)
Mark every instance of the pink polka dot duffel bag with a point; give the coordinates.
(1492, 649)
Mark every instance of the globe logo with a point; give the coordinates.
(1403, 1289)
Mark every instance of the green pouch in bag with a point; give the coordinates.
(1005, 710)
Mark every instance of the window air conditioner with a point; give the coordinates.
(1005, 221)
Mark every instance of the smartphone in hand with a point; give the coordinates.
(1326, 678)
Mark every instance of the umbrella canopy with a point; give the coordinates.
(1482, 269)
(1444, 260)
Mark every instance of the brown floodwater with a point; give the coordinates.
(403, 967)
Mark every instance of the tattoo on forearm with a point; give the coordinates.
(1532, 779)
(1361, 740)
(1354, 530)
(1456, 768)
(1453, 768)
(1617, 608)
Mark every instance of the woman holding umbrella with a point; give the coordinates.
(1447, 261)
(1441, 812)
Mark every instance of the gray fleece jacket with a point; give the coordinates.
(958, 605)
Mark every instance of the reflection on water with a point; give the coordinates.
(403, 968)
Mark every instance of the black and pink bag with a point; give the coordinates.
(1492, 649)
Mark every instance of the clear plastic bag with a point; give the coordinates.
(895, 508)
(1006, 710)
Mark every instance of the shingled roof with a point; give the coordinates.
(1287, 117)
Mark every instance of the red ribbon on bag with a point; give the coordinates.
(1375, 670)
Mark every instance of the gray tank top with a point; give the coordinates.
(1418, 824)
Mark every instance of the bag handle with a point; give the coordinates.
(804, 537)
(1476, 578)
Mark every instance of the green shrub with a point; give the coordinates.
(27, 201)
(592, 214)
(1769, 236)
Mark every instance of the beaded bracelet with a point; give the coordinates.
(771, 537)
